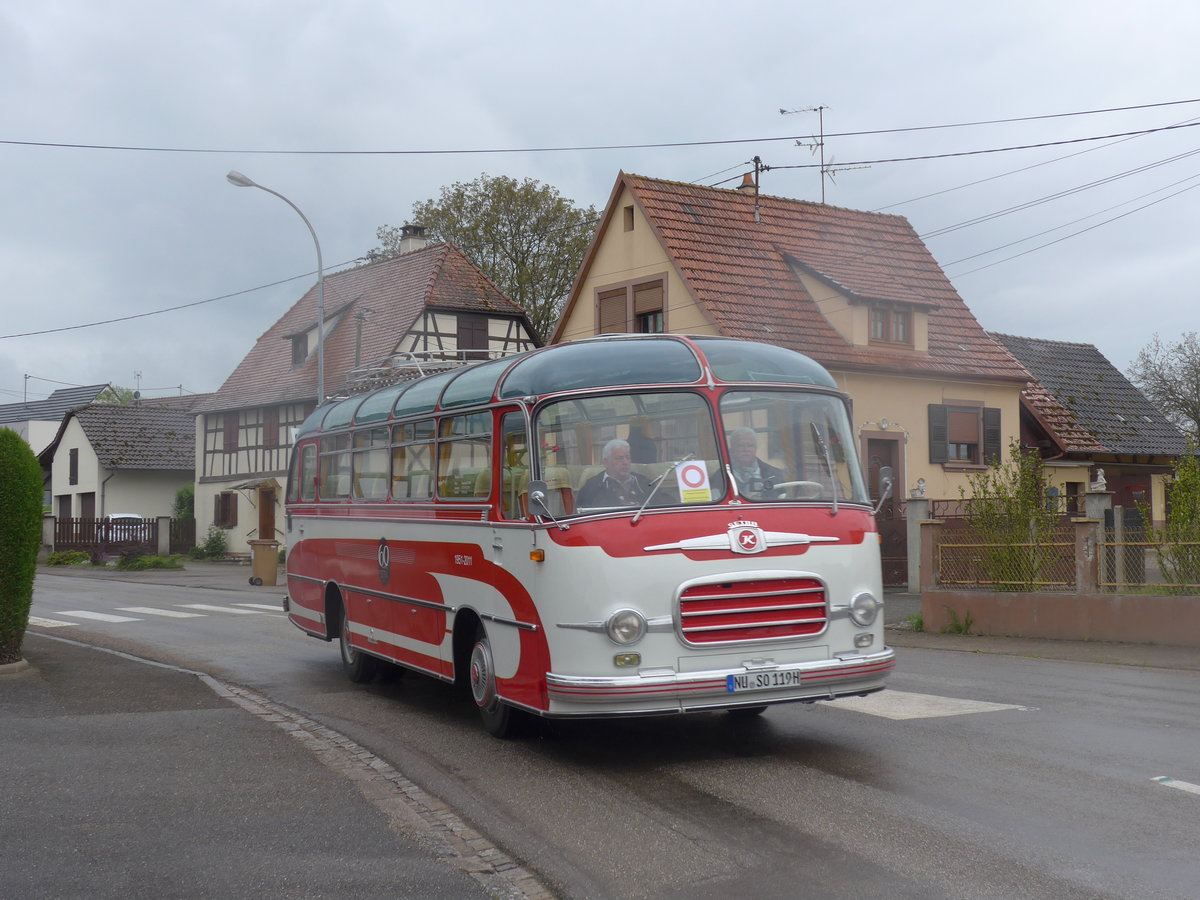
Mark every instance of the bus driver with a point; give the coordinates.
(756, 479)
(618, 484)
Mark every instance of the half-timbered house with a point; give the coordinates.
(429, 303)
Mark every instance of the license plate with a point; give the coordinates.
(761, 681)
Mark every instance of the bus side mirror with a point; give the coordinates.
(885, 486)
(537, 498)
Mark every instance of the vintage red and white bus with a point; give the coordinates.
(626, 525)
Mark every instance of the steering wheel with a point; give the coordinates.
(801, 490)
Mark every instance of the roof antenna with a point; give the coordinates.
(817, 145)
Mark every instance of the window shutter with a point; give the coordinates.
(612, 312)
(938, 434)
(991, 436)
(648, 297)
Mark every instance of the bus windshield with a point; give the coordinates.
(620, 450)
(791, 445)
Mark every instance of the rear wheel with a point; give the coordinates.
(359, 666)
(498, 717)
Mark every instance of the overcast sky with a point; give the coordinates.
(89, 233)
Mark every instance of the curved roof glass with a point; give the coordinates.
(603, 363)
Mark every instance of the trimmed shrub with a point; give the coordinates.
(20, 534)
(69, 558)
(137, 563)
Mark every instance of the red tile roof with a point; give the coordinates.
(396, 291)
(737, 253)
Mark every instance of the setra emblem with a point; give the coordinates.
(384, 555)
(746, 537)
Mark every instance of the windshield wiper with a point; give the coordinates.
(823, 449)
(657, 484)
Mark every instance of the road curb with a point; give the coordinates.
(14, 668)
(410, 809)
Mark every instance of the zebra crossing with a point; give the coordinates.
(65, 618)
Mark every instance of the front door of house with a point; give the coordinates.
(893, 530)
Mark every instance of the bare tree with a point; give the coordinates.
(1169, 375)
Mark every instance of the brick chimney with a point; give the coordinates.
(748, 186)
(412, 237)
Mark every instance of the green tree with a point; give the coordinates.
(1178, 541)
(524, 235)
(1169, 375)
(116, 396)
(185, 503)
(1009, 515)
(20, 533)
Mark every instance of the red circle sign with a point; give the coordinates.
(692, 476)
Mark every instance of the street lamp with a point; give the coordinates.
(238, 179)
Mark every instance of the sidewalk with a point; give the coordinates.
(132, 779)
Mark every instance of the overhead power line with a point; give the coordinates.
(158, 312)
(596, 147)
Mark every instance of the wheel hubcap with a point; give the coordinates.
(483, 686)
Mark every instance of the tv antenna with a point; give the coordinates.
(817, 146)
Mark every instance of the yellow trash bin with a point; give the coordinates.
(264, 562)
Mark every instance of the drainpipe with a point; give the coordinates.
(100, 512)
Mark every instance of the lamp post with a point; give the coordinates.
(238, 179)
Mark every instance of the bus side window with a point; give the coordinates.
(308, 472)
(464, 450)
(513, 447)
(412, 461)
(335, 466)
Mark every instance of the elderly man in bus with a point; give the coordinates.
(755, 478)
(618, 484)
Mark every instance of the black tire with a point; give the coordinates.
(747, 712)
(255, 580)
(498, 717)
(360, 667)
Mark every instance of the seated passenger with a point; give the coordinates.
(755, 478)
(618, 484)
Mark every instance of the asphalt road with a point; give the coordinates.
(975, 775)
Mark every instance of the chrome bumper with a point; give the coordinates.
(656, 690)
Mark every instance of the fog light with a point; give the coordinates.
(866, 639)
(624, 660)
(625, 626)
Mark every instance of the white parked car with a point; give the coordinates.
(124, 528)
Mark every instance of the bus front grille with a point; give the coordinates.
(757, 610)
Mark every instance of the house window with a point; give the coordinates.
(963, 434)
(270, 427)
(229, 423)
(73, 476)
(891, 326)
(628, 217)
(299, 349)
(225, 509)
(636, 307)
(473, 335)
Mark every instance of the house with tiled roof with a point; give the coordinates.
(934, 395)
(1086, 418)
(108, 458)
(37, 421)
(428, 304)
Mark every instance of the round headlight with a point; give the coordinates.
(863, 609)
(625, 626)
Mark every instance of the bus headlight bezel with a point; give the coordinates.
(864, 609)
(625, 627)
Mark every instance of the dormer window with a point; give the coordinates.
(889, 325)
(299, 349)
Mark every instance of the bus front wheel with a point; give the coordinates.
(498, 717)
(359, 666)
